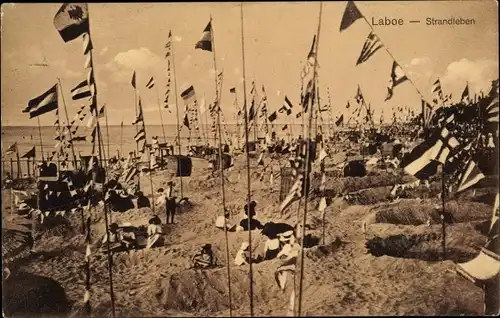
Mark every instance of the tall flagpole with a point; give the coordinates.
(67, 122)
(107, 132)
(177, 110)
(161, 116)
(306, 176)
(40, 134)
(221, 166)
(248, 159)
(110, 268)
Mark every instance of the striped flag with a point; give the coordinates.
(470, 176)
(434, 150)
(43, 104)
(372, 45)
(437, 90)
(492, 111)
(140, 117)
(188, 95)
(141, 135)
(12, 149)
(151, 83)
(80, 91)
(205, 43)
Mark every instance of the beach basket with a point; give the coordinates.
(182, 165)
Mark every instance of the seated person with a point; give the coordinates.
(142, 201)
(254, 224)
(219, 223)
(205, 259)
(288, 254)
(155, 232)
(117, 241)
(243, 255)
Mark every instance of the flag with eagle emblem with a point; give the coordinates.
(72, 20)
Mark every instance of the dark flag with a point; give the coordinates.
(251, 111)
(299, 114)
(11, 149)
(359, 97)
(232, 90)
(79, 138)
(340, 121)
(42, 104)
(351, 14)
(348, 105)
(81, 90)
(273, 116)
(186, 121)
(188, 94)
(72, 20)
(371, 46)
(151, 83)
(397, 77)
(284, 127)
(287, 107)
(465, 95)
(133, 80)
(205, 43)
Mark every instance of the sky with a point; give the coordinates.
(277, 36)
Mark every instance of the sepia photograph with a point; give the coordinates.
(240, 159)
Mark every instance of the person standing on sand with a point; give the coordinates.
(170, 202)
(155, 231)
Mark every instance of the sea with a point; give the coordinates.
(116, 139)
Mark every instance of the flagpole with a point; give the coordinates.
(67, 122)
(110, 268)
(247, 157)
(121, 139)
(107, 133)
(177, 110)
(443, 223)
(150, 168)
(40, 135)
(306, 176)
(161, 116)
(221, 167)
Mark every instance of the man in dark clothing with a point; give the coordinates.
(254, 223)
(142, 201)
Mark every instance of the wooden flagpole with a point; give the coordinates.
(98, 132)
(121, 139)
(107, 133)
(221, 165)
(40, 135)
(177, 111)
(443, 201)
(161, 116)
(306, 176)
(249, 193)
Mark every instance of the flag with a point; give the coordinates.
(205, 43)
(372, 45)
(29, 154)
(287, 106)
(294, 194)
(140, 117)
(427, 112)
(87, 44)
(42, 104)
(132, 172)
(102, 112)
(465, 95)
(437, 149)
(492, 111)
(308, 86)
(188, 94)
(168, 45)
(80, 91)
(186, 121)
(140, 135)
(494, 218)
(284, 128)
(348, 105)
(436, 89)
(340, 121)
(299, 114)
(397, 77)
(359, 97)
(351, 14)
(251, 111)
(470, 176)
(133, 80)
(72, 20)
(232, 90)
(273, 117)
(151, 83)
(11, 149)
